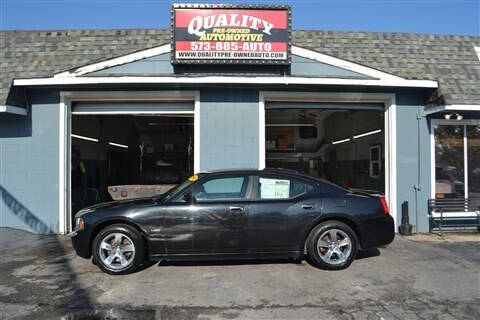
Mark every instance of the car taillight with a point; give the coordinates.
(384, 205)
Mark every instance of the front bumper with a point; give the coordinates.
(81, 244)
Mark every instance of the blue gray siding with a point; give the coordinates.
(229, 138)
(413, 160)
(29, 166)
(307, 67)
(229, 129)
(160, 65)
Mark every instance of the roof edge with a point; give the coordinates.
(453, 107)
(280, 80)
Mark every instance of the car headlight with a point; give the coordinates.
(79, 224)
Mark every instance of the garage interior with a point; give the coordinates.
(127, 156)
(343, 144)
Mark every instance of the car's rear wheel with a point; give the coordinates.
(332, 245)
(118, 249)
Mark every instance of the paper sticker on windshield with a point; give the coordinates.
(193, 178)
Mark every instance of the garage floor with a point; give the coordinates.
(41, 277)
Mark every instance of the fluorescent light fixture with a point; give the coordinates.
(367, 133)
(290, 125)
(84, 138)
(340, 141)
(118, 145)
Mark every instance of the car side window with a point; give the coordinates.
(224, 188)
(281, 188)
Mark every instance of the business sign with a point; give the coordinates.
(219, 34)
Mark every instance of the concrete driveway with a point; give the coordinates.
(42, 278)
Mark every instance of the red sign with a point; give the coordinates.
(230, 34)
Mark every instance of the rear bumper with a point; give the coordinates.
(377, 232)
(80, 242)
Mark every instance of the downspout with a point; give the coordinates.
(27, 102)
(417, 187)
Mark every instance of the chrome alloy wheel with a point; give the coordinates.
(117, 251)
(334, 246)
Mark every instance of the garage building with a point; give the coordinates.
(88, 116)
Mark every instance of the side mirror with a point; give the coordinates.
(189, 198)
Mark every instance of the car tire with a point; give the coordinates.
(118, 249)
(332, 255)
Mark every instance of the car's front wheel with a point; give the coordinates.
(332, 245)
(118, 249)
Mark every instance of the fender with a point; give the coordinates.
(351, 221)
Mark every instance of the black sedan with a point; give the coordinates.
(236, 214)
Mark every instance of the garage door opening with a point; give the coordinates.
(116, 157)
(342, 145)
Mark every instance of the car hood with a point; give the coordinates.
(117, 205)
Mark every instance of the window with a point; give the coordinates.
(456, 160)
(375, 162)
(225, 188)
(281, 188)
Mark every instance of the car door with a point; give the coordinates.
(281, 209)
(214, 222)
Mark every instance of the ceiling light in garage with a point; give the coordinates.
(341, 141)
(367, 133)
(84, 138)
(118, 145)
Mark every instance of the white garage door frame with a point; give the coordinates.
(387, 99)
(65, 124)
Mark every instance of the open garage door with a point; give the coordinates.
(343, 143)
(129, 150)
(166, 107)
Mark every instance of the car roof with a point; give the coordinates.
(250, 170)
(289, 172)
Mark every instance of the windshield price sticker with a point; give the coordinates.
(219, 35)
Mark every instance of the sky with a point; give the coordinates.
(460, 17)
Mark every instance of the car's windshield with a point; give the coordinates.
(179, 187)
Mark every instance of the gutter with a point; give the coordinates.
(13, 110)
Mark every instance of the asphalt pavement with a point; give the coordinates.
(42, 278)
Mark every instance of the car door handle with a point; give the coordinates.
(236, 209)
(307, 206)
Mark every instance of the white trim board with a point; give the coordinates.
(13, 110)
(298, 51)
(63, 166)
(477, 51)
(388, 99)
(115, 62)
(344, 64)
(433, 124)
(453, 107)
(225, 80)
(112, 95)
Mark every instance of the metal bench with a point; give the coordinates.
(461, 213)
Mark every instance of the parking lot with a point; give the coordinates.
(42, 278)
